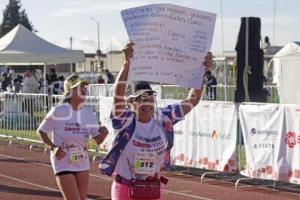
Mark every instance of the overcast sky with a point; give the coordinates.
(58, 20)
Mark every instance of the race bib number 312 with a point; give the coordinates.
(145, 163)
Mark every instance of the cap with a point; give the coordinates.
(136, 89)
(73, 81)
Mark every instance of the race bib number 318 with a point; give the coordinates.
(77, 154)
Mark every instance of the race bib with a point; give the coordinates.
(77, 154)
(144, 163)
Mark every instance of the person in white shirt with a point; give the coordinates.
(31, 84)
(69, 125)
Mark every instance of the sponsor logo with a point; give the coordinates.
(178, 132)
(291, 139)
(263, 146)
(140, 144)
(72, 129)
(147, 139)
(254, 131)
(213, 135)
(72, 124)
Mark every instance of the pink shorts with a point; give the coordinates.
(120, 192)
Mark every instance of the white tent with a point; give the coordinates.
(22, 47)
(286, 70)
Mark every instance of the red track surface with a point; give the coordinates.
(27, 174)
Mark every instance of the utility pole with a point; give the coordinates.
(274, 22)
(71, 43)
(98, 52)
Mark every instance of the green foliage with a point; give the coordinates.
(14, 15)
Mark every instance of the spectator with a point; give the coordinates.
(18, 83)
(100, 80)
(211, 83)
(110, 77)
(59, 86)
(52, 76)
(31, 84)
(5, 81)
(44, 85)
(53, 82)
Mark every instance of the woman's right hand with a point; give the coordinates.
(128, 53)
(59, 153)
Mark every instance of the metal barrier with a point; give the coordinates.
(222, 93)
(21, 114)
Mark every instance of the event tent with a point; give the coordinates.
(22, 47)
(286, 70)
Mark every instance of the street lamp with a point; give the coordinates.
(98, 52)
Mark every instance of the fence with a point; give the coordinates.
(20, 114)
(223, 93)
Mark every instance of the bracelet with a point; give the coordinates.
(53, 148)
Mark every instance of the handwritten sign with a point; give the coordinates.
(171, 43)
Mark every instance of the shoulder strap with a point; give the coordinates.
(108, 164)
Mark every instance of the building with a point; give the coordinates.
(115, 61)
(92, 63)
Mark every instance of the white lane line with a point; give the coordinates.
(29, 183)
(109, 179)
(24, 159)
(186, 195)
(33, 184)
(26, 182)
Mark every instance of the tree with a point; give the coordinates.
(14, 15)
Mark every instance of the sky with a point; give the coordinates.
(58, 20)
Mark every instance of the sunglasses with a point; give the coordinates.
(146, 96)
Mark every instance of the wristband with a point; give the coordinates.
(53, 148)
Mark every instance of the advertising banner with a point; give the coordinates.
(288, 162)
(206, 138)
(262, 127)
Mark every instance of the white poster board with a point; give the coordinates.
(171, 43)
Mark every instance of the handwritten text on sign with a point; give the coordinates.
(171, 43)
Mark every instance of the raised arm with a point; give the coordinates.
(119, 104)
(194, 95)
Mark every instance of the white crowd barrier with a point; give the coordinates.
(262, 126)
(207, 137)
(272, 139)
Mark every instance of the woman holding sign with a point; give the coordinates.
(70, 124)
(145, 136)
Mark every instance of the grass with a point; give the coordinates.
(31, 134)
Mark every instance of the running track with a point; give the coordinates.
(27, 174)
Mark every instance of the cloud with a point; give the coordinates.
(79, 7)
(76, 7)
